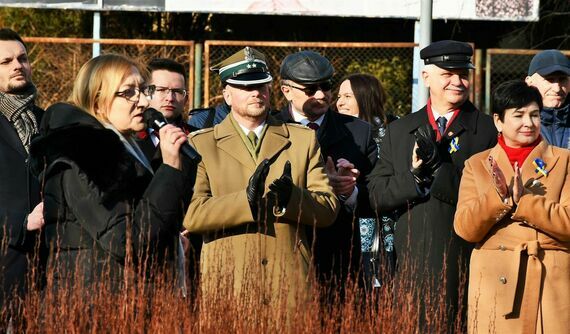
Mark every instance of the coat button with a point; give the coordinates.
(264, 262)
(502, 247)
(503, 279)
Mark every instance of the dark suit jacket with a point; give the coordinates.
(424, 232)
(19, 194)
(337, 248)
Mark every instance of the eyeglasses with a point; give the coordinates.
(133, 94)
(162, 92)
(311, 90)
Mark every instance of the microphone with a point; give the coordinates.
(155, 120)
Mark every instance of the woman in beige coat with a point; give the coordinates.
(514, 202)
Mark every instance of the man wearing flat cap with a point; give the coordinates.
(418, 175)
(349, 150)
(549, 72)
(260, 182)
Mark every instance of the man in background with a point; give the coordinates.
(549, 72)
(169, 96)
(21, 209)
(349, 151)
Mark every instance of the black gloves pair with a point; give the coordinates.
(428, 152)
(280, 189)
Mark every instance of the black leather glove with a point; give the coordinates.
(428, 151)
(256, 186)
(427, 147)
(281, 188)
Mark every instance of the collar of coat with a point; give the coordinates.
(529, 174)
(332, 129)
(275, 140)
(465, 121)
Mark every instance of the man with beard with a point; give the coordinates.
(21, 209)
(254, 241)
(549, 72)
(418, 175)
(349, 150)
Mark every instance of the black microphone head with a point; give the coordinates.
(154, 119)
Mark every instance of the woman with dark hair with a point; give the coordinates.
(361, 95)
(514, 202)
(103, 203)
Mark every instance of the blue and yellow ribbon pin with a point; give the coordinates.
(540, 167)
(453, 145)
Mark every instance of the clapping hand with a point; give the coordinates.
(256, 187)
(518, 188)
(427, 149)
(342, 180)
(281, 189)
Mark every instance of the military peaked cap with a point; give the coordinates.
(246, 67)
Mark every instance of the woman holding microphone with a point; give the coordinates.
(103, 203)
(514, 203)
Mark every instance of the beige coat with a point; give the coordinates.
(519, 280)
(269, 260)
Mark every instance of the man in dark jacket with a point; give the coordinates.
(348, 149)
(549, 72)
(418, 175)
(167, 87)
(21, 213)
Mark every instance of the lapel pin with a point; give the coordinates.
(540, 167)
(453, 145)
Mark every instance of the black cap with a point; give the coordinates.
(549, 61)
(448, 54)
(306, 67)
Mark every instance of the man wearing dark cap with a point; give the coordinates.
(349, 150)
(418, 175)
(254, 238)
(549, 72)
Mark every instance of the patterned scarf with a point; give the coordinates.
(18, 109)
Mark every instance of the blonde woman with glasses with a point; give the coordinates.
(102, 199)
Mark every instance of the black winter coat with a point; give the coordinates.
(19, 195)
(337, 248)
(100, 203)
(424, 238)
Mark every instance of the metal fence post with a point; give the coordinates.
(198, 48)
(488, 82)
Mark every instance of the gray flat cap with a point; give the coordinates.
(306, 67)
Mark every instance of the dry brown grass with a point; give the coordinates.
(155, 305)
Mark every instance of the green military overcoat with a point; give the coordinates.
(266, 262)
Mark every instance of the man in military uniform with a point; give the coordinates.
(350, 153)
(418, 175)
(254, 241)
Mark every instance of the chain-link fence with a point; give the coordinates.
(506, 64)
(56, 61)
(391, 63)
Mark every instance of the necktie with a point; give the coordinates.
(441, 123)
(252, 138)
(313, 125)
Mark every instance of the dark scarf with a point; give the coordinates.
(18, 109)
(518, 154)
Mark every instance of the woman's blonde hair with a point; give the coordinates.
(98, 80)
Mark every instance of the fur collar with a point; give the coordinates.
(71, 137)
